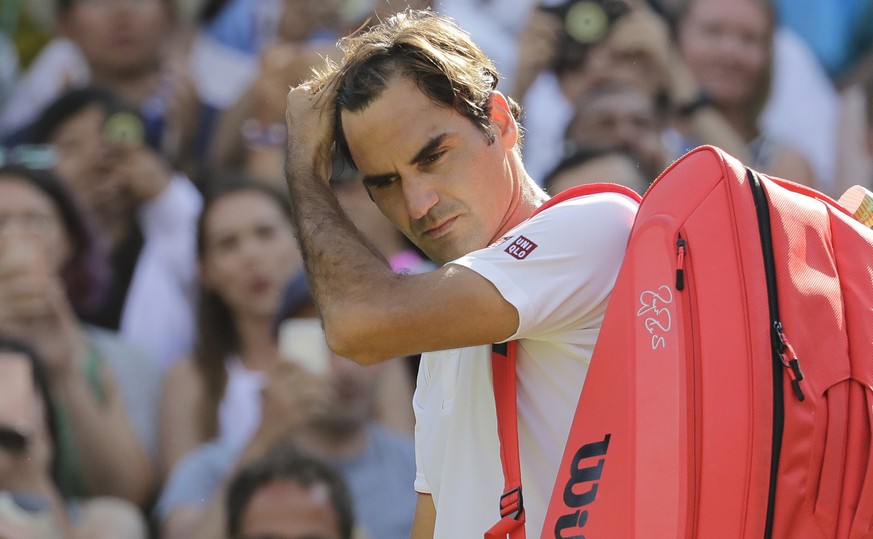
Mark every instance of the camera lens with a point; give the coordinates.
(586, 22)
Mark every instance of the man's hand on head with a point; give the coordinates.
(309, 116)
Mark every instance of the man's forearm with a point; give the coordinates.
(345, 271)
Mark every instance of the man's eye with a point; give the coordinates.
(380, 182)
(433, 158)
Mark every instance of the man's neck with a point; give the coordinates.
(528, 196)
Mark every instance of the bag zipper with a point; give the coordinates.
(783, 354)
(685, 284)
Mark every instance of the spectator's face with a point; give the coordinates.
(432, 172)
(354, 390)
(250, 253)
(118, 36)
(300, 18)
(84, 165)
(31, 215)
(284, 509)
(614, 168)
(622, 119)
(727, 47)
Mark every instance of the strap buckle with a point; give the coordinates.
(512, 504)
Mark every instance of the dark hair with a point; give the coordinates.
(217, 336)
(430, 49)
(71, 104)
(86, 274)
(41, 383)
(286, 462)
(580, 156)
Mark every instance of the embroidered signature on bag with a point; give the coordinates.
(659, 321)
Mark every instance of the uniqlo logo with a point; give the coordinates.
(521, 247)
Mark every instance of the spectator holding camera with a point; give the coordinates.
(247, 255)
(238, 397)
(31, 503)
(570, 49)
(127, 48)
(728, 48)
(47, 267)
(142, 209)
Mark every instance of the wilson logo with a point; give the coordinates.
(521, 247)
(581, 490)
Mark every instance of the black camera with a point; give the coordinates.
(585, 23)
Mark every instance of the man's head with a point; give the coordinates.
(432, 51)
(418, 115)
(289, 495)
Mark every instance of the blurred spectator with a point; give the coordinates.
(31, 503)
(803, 108)
(251, 131)
(596, 165)
(729, 49)
(856, 133)
(329, 414)
(105, 389)
(142, 209)
(247, 255)
(617, 115)
(290, 495)
(495, 25)
(124, 46)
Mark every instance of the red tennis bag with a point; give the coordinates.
(729, 394)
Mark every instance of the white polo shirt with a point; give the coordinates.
(557, 269)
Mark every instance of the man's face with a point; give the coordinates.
(119, 36)
(84, 166)
(432, 172)
(284, 509)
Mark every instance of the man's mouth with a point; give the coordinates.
(441, 229)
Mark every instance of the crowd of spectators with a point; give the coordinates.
(148, 269)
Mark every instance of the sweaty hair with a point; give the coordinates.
(432, 51)
(286, 463)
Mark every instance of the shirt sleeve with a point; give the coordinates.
(421, 388)
(195, 478)
(558, 268)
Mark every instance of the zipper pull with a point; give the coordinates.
(789, 360)
(680, 265)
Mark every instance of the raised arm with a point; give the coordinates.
(369, 313)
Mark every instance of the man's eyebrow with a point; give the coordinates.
(428, 148)
(425, 151)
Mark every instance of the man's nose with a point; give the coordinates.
(419, 196)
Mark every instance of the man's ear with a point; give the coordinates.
(503, 121)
